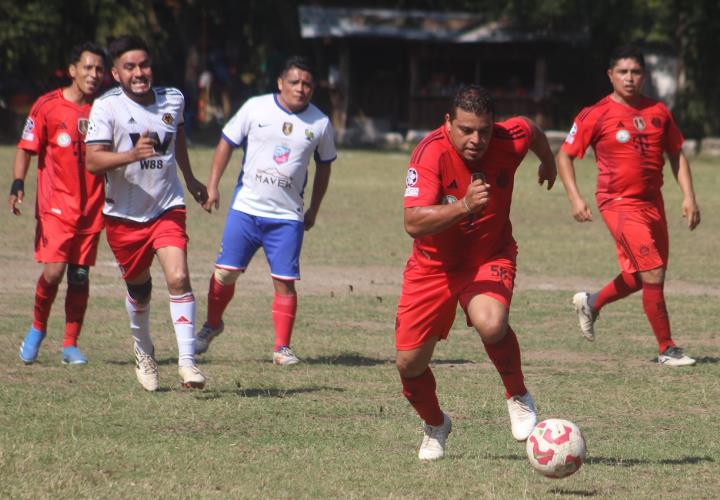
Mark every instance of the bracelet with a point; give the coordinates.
(466, 205)
(17, 185)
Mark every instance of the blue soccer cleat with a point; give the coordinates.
(31, 345)
(73, 356)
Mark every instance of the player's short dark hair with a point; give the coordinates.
(91, 47)
(299, 62)
(627, 52)
(126, 43)
(473, 99)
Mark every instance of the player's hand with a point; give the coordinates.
(198, 190)
(144, 148)
(580, 211)
(547, 172)
(477, 196)
(691, 212)
(213, 200)
(17, 194)
(310, 217)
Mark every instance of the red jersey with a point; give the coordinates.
(55, 131)
(629, 143)
(438, 175)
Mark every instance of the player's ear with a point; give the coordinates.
(115, 74)
(72, 71)
(279, 84)
(447, 121)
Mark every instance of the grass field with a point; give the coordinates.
(336, 425)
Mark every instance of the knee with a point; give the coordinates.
(78, 275)
(226, 276)
(140, 293)
(53, 276)
(654, 276)
(177, 281)
(492, 330)
(409, 367)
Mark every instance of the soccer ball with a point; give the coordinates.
(556, 448)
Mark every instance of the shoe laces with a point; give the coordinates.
(521, 404)
(673, 352)
(146, 363)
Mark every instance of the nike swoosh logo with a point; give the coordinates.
(262, 125)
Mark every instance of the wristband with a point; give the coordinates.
(17, 185)
(466, 205)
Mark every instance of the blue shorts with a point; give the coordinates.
(281, 239)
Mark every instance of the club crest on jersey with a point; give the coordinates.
(82, 125)
(167, 119)
(622, 136)
(27, 133)
(639, 123)
(309, 135)
(287, 128)
(281, 154)
(411, 178)
(64, 140)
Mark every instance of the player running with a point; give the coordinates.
(457, 207)
(279, 133)
(629, 133)
(68, 209)
(136, 140)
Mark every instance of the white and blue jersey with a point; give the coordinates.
(278, 147)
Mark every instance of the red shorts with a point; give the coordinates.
(55, 242)
(641, 238)
(134, 243)
(429, 297)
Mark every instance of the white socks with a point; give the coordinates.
(182, 311)
(139, 324)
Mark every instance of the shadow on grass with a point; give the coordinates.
(707, 360)
(573, 493)
(346, 359)
(163, 362)
(632, 462)
(452, 362)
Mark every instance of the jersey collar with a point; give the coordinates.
(277, 102)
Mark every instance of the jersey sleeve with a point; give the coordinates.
(237, 129)
(34, 133)
(100, 127)
(673, 138)
(521, 133)
(325, 151)
(580, 135)
(422, 182)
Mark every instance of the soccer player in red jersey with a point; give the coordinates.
(457, 206)
(629, 133)
(68, 209)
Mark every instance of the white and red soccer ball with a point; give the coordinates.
(556, 448)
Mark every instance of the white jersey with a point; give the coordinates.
(143, 190)
(278, 146)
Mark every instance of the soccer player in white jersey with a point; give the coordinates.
(279, 133)
(136, 140)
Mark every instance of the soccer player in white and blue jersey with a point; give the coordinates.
(279, 133)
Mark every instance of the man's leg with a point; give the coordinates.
(45, 292)
(284, 307)
(623, 285)
(76, 301)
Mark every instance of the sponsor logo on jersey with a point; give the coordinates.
(167, 119)
(273, 177)
(27, 133)
(411, 178)
(639, 123)
(82, 125)
(287, 128)
(309, 135)
(160, 147)
(622, 136)
(412, 191)
(64, 140)
(448, 199)
(571, 135)
(281, 154)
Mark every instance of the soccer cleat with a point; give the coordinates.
(522, 416)
(433, 443)
(586, 316)
(205, 336)
(73, 356)
(146, 369)
(673, 356)
(285, 357)
(31, 345)
(192, 377)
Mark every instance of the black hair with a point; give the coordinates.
(627, 52)
(472, 98)
(299, 62)
(126, 43)
(92, 47)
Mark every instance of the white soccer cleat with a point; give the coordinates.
(205, 336)
(433, 443)
(285, 357)
(586, 316)
(192, 377)
(522, 416)
(673, 356)
(146, 370)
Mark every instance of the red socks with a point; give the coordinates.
(283, 316)
(420, 392)
(505, 355)
(76, 302)
(619, 288)
(653, 299)
(219, 297)
(44, 297)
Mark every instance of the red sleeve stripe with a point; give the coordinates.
(586, 111)
(420, 149)
(42, 101)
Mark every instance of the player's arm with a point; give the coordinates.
(681, 170)
(221, 158)
(195, 187)
(547, 171)
(320, 185)
(100, 157)
(566, 170)
(433, 219)
(21, 165)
